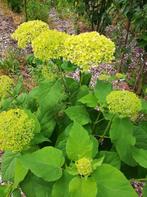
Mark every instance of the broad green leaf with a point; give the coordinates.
(111, 158)
(85, 78)
(78, 114)
(47, 125)
(33, 186)
(45, 163)
(61, 187)
(82, 187)
(97, 162)
(8, 165)
(68, 66)
(90, 100)
(112, 183)
(17, 193)
(73, 87)
(5, 190)
(62, 139)
(79, 143)
(140, 156)
(144, 106)
(47, 97)
(72, 169)
(145, 191)
(102, 89)
(53, 96)
(140, 133)
(39, 138)
(20, 173)
(121, 134)
(95, 146)
(37, 124)
(83, 91)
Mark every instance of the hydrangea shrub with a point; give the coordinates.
(87, 140)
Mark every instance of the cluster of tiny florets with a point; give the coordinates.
(16, 130)
(88, 49)
(6, 84)
(27, 31)
(49, 45)
(104, 77)
(123, 103)
(84, 166)
(84, 50)
(119, 76)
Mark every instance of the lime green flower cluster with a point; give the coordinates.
(6, 84)
(49, 45)
(49, 72)
(16, 130)
(120, 76)
(123, 103)
(27, 31)
(84, 166)
(104, 77)
(88, 49)
(84, 50)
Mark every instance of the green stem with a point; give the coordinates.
(101, 136)
(96, 121)
(63, 78)
(81, 78)
(100, 120)
(107, 128)
(140, 179)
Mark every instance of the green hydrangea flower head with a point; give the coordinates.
(88, 49)
(49, 45)
(104, 77)
(123, 103)
(84, 166)
(6, 84)
(27, 31)
(16, 130)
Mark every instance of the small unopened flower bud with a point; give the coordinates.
(84, 166)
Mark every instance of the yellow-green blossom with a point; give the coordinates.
(27, 31)
(49, 45)
(6, 84)
(84, 166)
(88, 49)
(16, 130)
(123, 103)
(49, 72)
(104, 77)
(119, 76)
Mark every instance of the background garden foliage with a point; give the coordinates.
(63, 137)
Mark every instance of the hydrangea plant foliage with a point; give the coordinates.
(66, 139)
